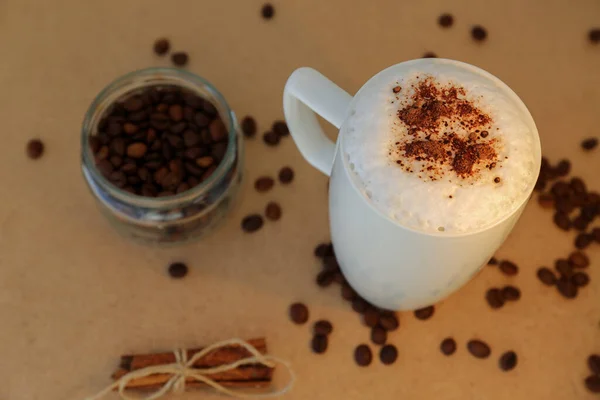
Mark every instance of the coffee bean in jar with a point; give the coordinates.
(161, 155)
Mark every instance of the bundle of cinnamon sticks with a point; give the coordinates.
(246, 376)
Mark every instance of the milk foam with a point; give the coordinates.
(451, 203)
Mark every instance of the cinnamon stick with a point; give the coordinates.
(228, 384)
(264, 375)
(220, 356)
(243, 373)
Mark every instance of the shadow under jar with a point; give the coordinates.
(161, 154)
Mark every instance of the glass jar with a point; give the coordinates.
(176, 218)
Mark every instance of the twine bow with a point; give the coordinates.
(183, 368)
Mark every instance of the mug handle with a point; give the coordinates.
(308, 92)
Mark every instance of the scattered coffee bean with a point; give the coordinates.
(594, 35)
(580, 279)
(286, 175)
(264, 184)
(273, 211)
(267, 11)
(359, 305)
(162, 46)
(546, 200)
(592, 383)
(511, 293)
(494, 298)
(563, 267)
(319, 343)
(562, 220)
(478, 348)
(389, 321)
(579, 259)
(371, 317)
(563, 168)
(508, 361)
(178, 270)
(388, 354)
(546, 276)
(566, 288)
(446, 20)
(589, 144)
(594, 363)
(479, 33)
(347, 292)
(583, 240)
(448, 346)
(280, 128)
(493, 261)
(180, 58)
(252, 223)
(298, 313)
(271, 138)
(378, 335)
(321, 250)
(424, 313)
(35, 149)
(249, 127)
(325, 278)
(429, 54)
(322, 327)
(509, 268)
(330, 262)
(363, 355)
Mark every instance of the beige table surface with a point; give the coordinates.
(74, 295)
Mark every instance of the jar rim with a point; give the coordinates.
(168, 201)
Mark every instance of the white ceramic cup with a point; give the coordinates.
(390, 265)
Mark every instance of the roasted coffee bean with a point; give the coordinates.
(267, 11)
(589, 144)
(583, 240)
(596, 235)
(511, 293)
(577, 185)
(424, 313)
(508, 361)
(249, 127)
(280, 128)
(162, 46)
(136, 150)
(105, 167)
(252, 223)
(448, 346)
(330, 263)
(325, 278)
(273, 211)
(264, 184)
(509, 268)
(429, 54)
(118, 178)
(35, 149)
(389, 321)
(566, 288)
(298, 313)
(180, 58)
(563, 168)
(319, 344)
(205, 162)
(479, 33)
(493, 261)
(562, 221)
(594, 35)
(494, 298)
(322, 327)
(359, 305)
(579, 259)
(208, 172)
(546, 276)
(445, 20)
(478, 348)
(592, 383)
(546, 200)
(133, 104)
(594, 363)
(176, 112)
(363, 355)
(378, 335)
(580, 223)
(286, 175)
(271, 138)
(183, 187)
(321, 250)
(178, 270)
(388, 354)
(580, 279)
(116, 161)
(218, 151)
(338, 277)
(218, 131)
(371, 317)
(347, 292)
(563, 267)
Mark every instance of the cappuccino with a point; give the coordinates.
(440, 148)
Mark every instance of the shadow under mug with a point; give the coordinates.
(390, 265)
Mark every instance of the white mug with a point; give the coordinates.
(390, 265)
